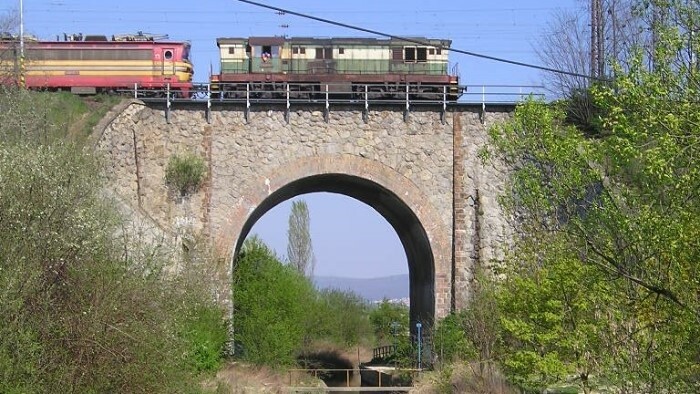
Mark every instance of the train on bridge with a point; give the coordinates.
(94, 64)
(261, 67)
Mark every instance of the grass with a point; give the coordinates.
(74, 115)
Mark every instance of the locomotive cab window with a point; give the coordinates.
(409, 54)
(168, 55)
(415, 54)
(267, 49)
(421, 54)
(324, 53)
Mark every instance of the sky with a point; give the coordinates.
(349, 238)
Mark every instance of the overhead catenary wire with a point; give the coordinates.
(416, 41)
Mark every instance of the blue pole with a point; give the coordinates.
(418, 327)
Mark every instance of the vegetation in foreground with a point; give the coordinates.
(279, 316)
(601, 291)
(82, 308)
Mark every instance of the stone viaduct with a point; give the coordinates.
(419, 170)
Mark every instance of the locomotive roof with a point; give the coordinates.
(104, 44)
(331, 41)
(79, 38)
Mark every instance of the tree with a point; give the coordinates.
(271, 306)
(587, 51)
(300, 251)
(568, 42)
(603, 280)
(9, 57)
(81, 308)
(389, 320)
(341, 316)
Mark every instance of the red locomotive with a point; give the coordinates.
(91, 64)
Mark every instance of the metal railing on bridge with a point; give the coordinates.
(383, 352)
(327, 94)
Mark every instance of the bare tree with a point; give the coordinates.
(9, 55)
(600, 31)
(592, 42)
(300, 251)
(9, 22)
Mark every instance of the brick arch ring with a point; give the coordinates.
(367, 180)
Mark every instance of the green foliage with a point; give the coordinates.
(185, 173)
(341, 317)
(388, 319)
(550, 317)
(271, 303)
(300, 251)
(77, 312)
(50, 116)
(205, 330)
(279, 316)
(604, 281)
(450, 339)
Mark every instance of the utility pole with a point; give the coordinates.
(613, 18)
(597, 61)
(21, 43)
(420, 343)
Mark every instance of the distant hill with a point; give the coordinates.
(374, 289)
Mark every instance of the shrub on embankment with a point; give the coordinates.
(279, 316)
(82, 309)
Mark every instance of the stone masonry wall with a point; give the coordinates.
(251, 158)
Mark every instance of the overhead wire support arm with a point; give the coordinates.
(286, 112)
(443, 114)
(365, 113)
(407, 110)
(247, 103)
(167, 103)
(208, 103)
(326, 113)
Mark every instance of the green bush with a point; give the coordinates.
(78, 314)
(205, 331)
(271, 306)
(185, 173)
(341, 317)
(388, 319)
(450, 339)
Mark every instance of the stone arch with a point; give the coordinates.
(423, 234)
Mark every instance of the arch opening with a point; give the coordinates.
(410, 231)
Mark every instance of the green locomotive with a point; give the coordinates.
(307, 67)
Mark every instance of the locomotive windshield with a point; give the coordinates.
(186, 52)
